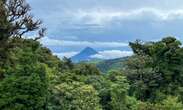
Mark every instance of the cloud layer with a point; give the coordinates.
(119, 20)
(112, 54)
(103, 16)
(107, 54)
(65, 54)
(66, 43)
(108, 24)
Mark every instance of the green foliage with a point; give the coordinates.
(107, 65)
(25, 85)
(86, 69)
(69, 91)
(132, 103)
(25, 92)
(118, 90)
(156, 69)
(66, 65)
(113, 91)
(101, 84)
(144, 80)
(32, 78)
(149, 106)
(172, 103)
(74, 96)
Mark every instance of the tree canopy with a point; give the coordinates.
(32, 78)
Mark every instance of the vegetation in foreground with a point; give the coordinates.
(31, 78)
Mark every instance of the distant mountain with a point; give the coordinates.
(103, 65)
(84, 55)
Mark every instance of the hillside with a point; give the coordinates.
(113, 64)
(107, 65)
(103, 65)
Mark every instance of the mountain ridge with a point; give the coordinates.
(84, 55)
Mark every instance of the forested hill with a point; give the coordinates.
(32, 78)
(107, 65)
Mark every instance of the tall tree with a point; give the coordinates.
(164, 63)
(25, 86)
(15, 21)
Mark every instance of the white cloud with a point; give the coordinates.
(112, 54)
(101, 17)
(106, 54)
(65, 54)
(69, 43)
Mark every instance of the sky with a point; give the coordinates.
(106, 25)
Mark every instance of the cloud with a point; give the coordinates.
(69, 43)
(104, 11)
(107, 20)
(103, 16)
(107, 54)
(112, 54)
(65, 54)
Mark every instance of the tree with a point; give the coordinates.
(15, 21)
(143, 80)
(160, 65)
(113, 90)
(24, 92)
(25, 85)
(172, 103)
(102, 85)
(66, 65)
(118, 90)
(86, 69)
(74, 96)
